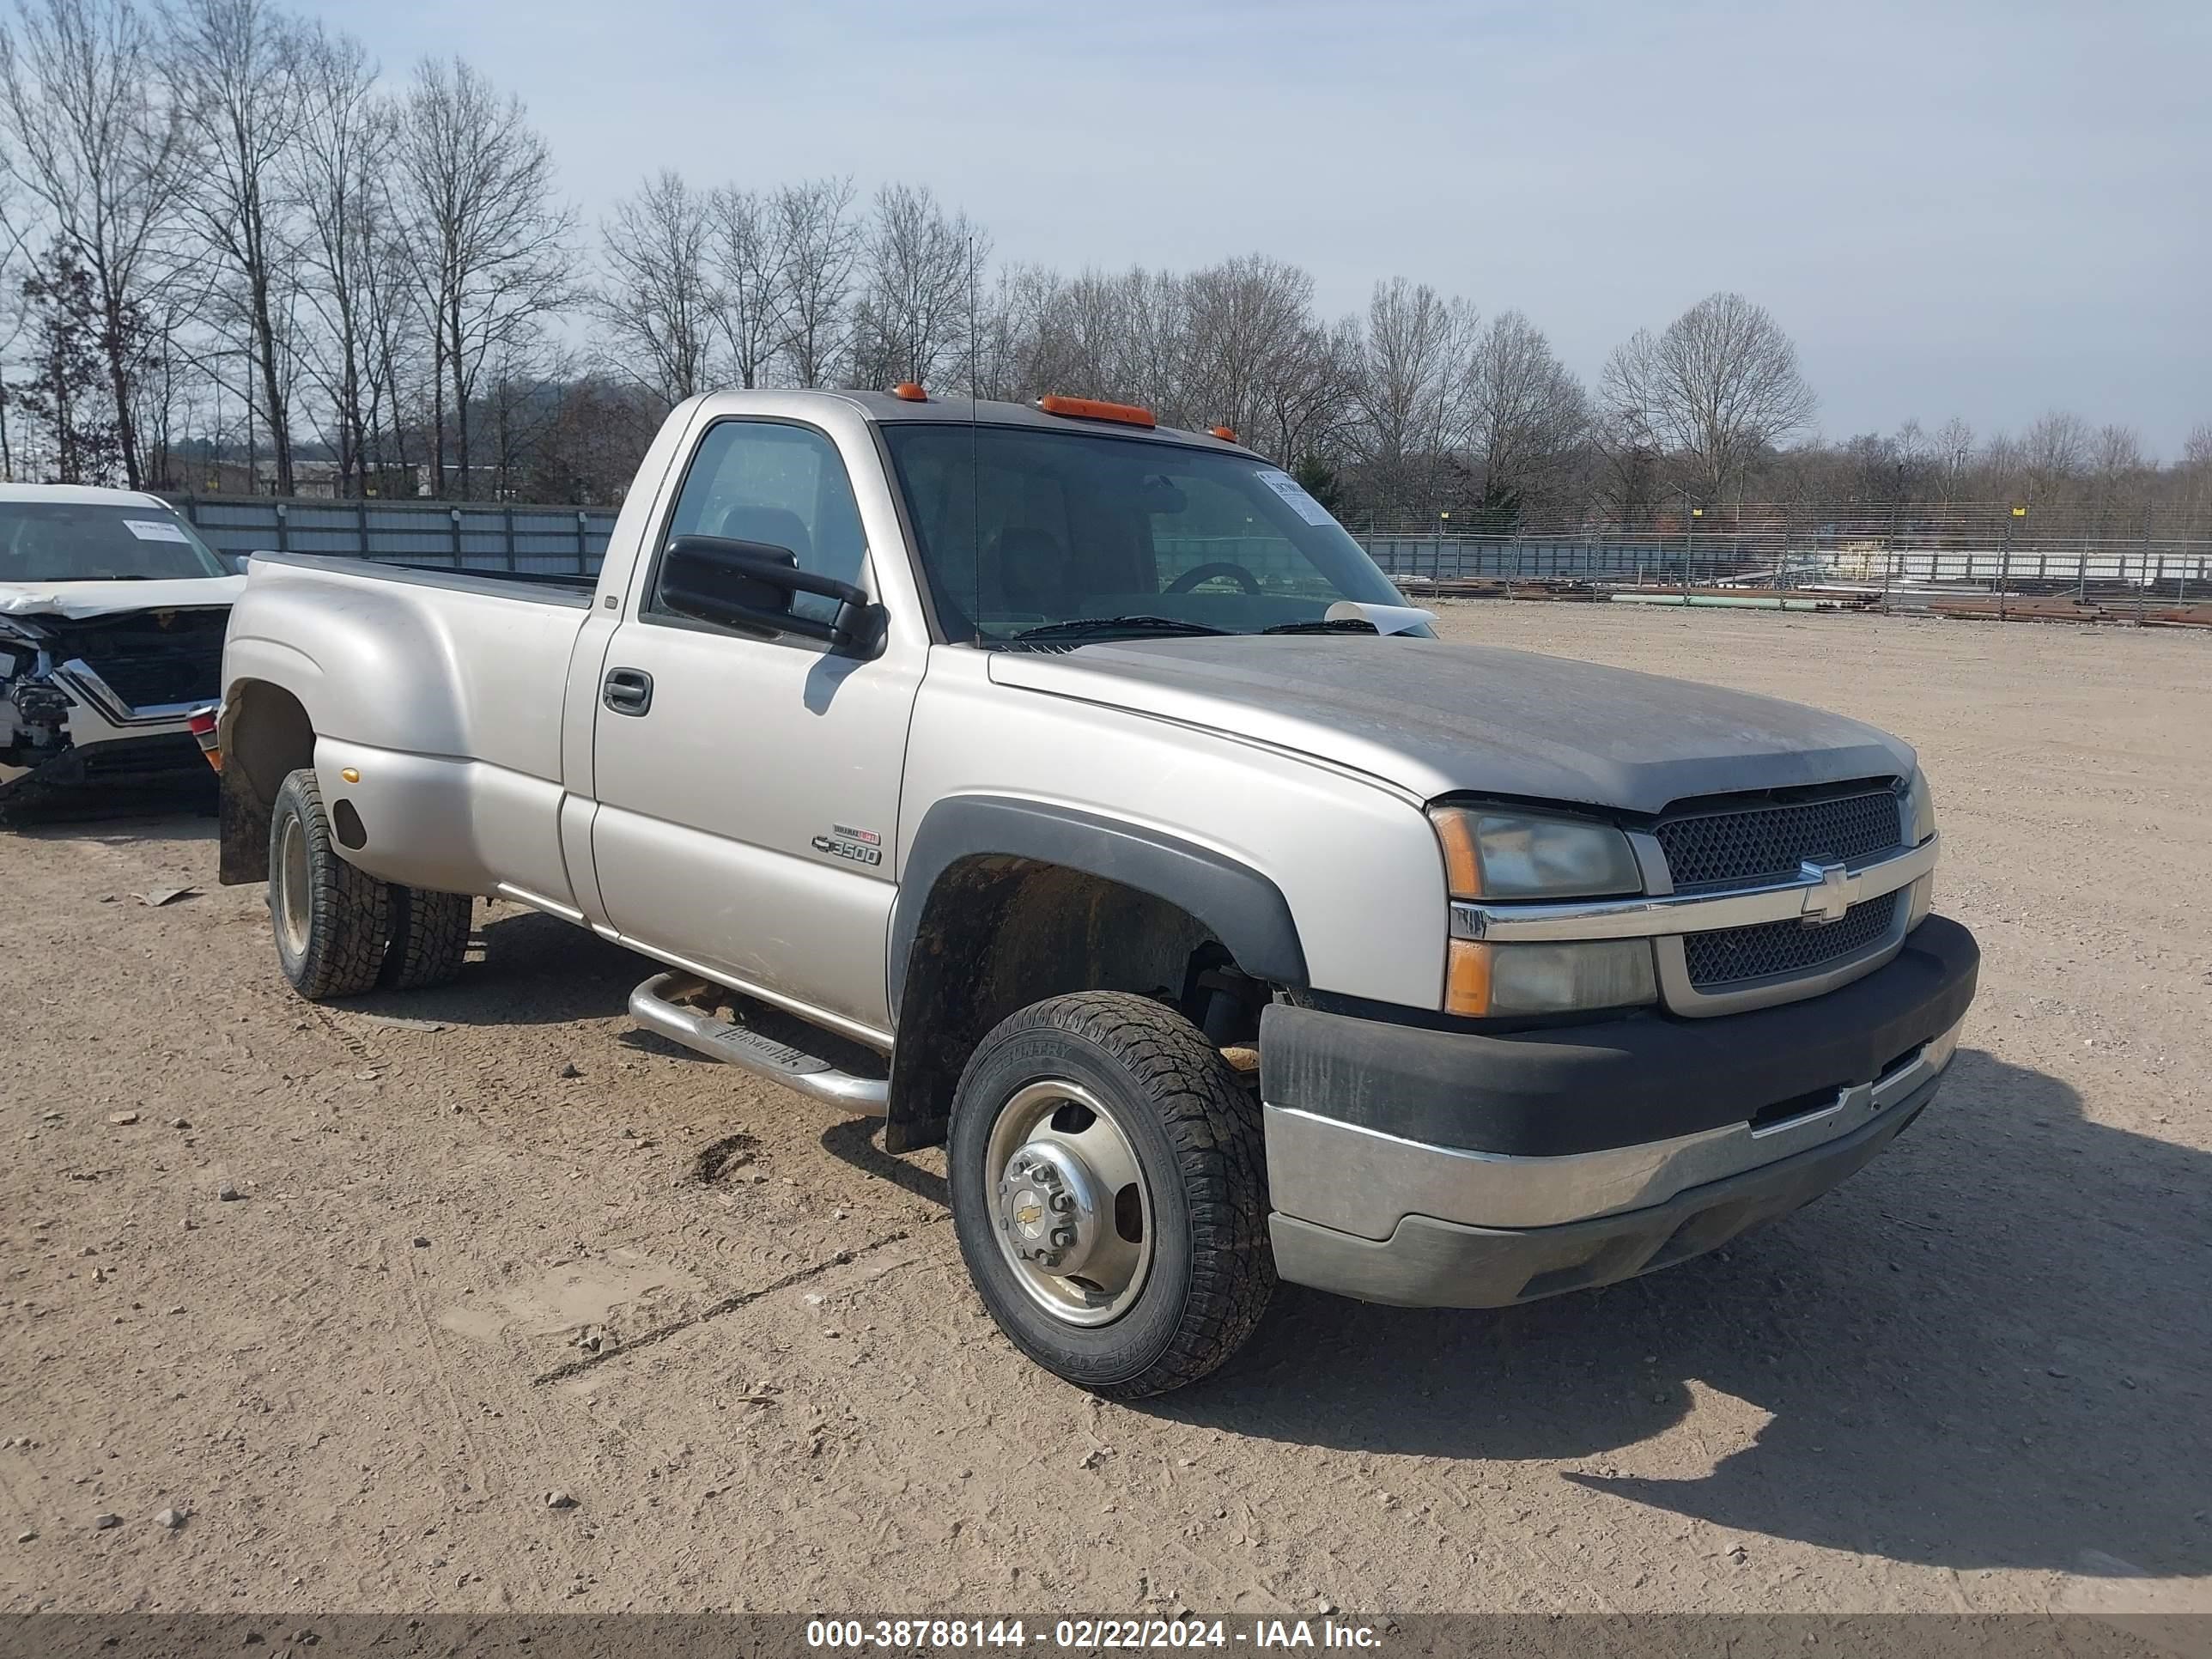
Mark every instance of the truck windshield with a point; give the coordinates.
(77, 542)
(1024, 532)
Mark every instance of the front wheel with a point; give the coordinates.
(1110, 1193)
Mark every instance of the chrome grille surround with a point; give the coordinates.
(1721, 845)
(1771, 950)
(1784, 935)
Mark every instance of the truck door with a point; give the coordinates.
(748, 785)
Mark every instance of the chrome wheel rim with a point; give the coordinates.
(1070, 1207)
(293, 908)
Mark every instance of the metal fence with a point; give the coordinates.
(465, 534)
(1911, 565)
(1901, 571)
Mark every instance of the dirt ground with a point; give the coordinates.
(491, 1243)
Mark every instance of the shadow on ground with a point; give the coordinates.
(1987, 1349)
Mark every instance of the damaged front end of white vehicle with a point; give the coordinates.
(103, 704)
(113, 614)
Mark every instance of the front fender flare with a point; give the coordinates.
(1242, 907)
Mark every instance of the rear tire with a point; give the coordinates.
(429, 939)
(331, 919)
(1140, 1262)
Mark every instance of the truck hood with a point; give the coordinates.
(106, 599)
(1438, 717)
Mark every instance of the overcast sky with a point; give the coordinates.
(1986, 208)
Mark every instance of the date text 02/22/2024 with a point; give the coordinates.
(1088, 1634)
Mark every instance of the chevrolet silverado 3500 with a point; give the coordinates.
(1077, 795)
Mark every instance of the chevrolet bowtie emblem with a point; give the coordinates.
(1829, 900)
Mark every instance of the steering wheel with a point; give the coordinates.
(1198, 573)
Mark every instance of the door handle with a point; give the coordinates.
(627, 690)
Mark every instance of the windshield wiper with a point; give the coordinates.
(1115, 625)
(1339, 625)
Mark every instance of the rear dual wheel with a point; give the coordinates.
(1109, 1190)
(339, 930)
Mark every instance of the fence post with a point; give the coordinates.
(1888, 558)
(506, 518)
(2004, 568)
(583, 547)
(283, 527)
(456, 512)
(2138, 586)
(361, 523)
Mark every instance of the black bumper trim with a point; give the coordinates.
(1585, 1088)
(1428, 1263)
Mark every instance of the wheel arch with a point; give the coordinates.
(1004, 901)
(266, 735)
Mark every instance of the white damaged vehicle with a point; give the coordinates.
(112, 617)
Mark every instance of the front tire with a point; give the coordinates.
(1110, 1192)
(331, 919)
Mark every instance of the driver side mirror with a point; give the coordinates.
(750, 585)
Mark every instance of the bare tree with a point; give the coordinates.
(1413, 362)
(1719, 387)
(657, 310)
(486, 241)
(747, 254)
(1527, 415)
(2116, 462)
(820, 242)
(335, 174)
(237, 68)
(1953, 461)
(13, 313)
(917, 292)
(85, 130)
(1254, 358)
(2054, 452)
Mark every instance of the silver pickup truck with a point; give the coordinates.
(1076, 794)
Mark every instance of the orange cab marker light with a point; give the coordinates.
(911, 391)
(1093, 409)
(1226, 433)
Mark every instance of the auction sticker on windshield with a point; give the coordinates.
(1293, 492)
(156, 530)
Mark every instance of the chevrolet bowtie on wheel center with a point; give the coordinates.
(1107, 817)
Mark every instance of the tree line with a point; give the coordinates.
(231, 248)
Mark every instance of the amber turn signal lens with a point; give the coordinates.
(910, 391)
(1462, 866)
(1467, 978)
(1226, 433)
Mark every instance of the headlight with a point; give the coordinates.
(1919, 808)
(1497, 980)
(1491, 854)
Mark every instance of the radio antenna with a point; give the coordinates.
(974, 455)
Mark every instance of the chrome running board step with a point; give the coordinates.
(663, 1004)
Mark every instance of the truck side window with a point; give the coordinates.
(761, 481)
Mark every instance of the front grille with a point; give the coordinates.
(1767, 843)
(1730, 956)
(190, 673)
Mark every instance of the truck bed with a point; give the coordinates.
(544, 587)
